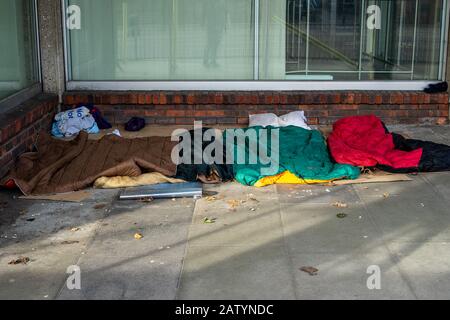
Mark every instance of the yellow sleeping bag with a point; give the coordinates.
(286, 178)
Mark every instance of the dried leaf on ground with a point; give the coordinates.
(100, 206)
(340, 204)
(251, 197)
(20, 260)
(76, 229)
(233, 204)
(211, 198)
(138, 236)
(310, 270)
(209, 220)
(67, 242)
(386, 195)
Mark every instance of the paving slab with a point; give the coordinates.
(344, 276)
(236, 221)
(427, 267)
(318, 229)
(119, 266)
(439, 183)
(147, 277)
(52, 235)
(222, 272)
(416, 214)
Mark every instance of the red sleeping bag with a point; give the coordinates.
(364, 141)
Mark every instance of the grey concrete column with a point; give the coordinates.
(52, 46)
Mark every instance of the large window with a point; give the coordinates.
(246, 40)
(18, 53)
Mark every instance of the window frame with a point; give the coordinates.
(254, 85)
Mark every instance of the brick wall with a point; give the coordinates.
(20, 125)
(321, 107)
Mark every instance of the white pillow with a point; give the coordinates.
(264, 120)
(296, 118)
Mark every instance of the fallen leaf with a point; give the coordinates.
(251, 197)
(310, 270)
(386, 195)
(70, 242)
(233, 204)
(209, 220)
(340, 204)
(20, 260)
(211, 198)
(138, 236)
(100, 206)
(76, 229)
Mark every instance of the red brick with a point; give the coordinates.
(313, 121)
(162, 99)
(142, 99)
(175, 113)
(378, 99)
(191, 99)
(243, 120)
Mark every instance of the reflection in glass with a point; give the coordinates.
(163, 40)
(18, 65)
(330, 40)
(288, 40)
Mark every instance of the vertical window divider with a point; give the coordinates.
(66, 48)
(308, 30)
(256, 54)
(444, 40)
(400, 33)
(416, 17)
(363, 5)
(38, 46)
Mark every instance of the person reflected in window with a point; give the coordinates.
(216, 16)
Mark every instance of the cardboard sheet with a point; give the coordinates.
(77, 196)
(376, 177)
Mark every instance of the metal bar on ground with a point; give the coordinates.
(163, 191)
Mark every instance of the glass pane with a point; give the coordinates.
(163, 40)
(18, 65)
(331, 40)
(408, 44)
(272, 39)
(429, 39)
(334, 40)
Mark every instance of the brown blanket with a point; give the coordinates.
(64, 166)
